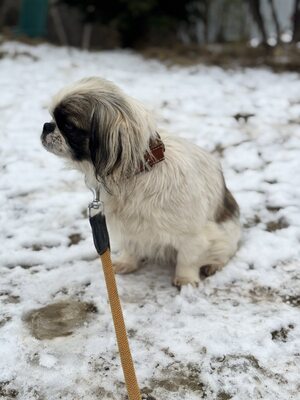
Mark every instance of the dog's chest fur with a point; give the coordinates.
(140, 229)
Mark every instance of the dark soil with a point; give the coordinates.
(285, 57)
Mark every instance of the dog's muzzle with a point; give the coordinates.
(48, 127)
(51, 141)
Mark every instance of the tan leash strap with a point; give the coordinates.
(120, 329)
(101, 241)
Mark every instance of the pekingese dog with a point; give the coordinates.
(165, 198)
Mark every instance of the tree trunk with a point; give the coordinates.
(258, 18)
(202, 14)
(58, 24)
(296, 17)
(206, 21)
(86, 36)
(221, 34)
(3, 11)
(275, 20)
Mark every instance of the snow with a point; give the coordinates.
(237, 336)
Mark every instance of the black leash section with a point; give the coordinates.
(101, 241)
(99, 228)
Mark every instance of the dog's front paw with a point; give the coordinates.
(181, 281)
(208, 270)
(121, 267)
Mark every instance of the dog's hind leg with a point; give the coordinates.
(212, 249)
(190, 256)
(223, 240)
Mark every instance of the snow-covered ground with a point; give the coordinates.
(237, 336)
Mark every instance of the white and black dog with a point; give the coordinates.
(164, 197)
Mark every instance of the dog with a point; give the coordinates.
(165, 198)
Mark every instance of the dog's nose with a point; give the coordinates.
(48, 127)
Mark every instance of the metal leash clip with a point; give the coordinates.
(96, 206)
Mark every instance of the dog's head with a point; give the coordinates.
(95, 122)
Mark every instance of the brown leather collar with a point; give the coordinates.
(155, 155)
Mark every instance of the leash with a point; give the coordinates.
(101, 241)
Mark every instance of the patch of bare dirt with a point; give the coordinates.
(7, 297)
(273, 209)
(58, 319)
(223, 396)
(178, 377)
(6, 391)
(4, 319)
(244, 363)
(74, 239)
(276, 225)
(291, 300)
(281, 335)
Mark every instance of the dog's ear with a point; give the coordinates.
(118, 138)
(94, 142)
(105, 143)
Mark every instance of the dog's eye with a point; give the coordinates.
(68, 127)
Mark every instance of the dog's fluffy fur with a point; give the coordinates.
(180, 209)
